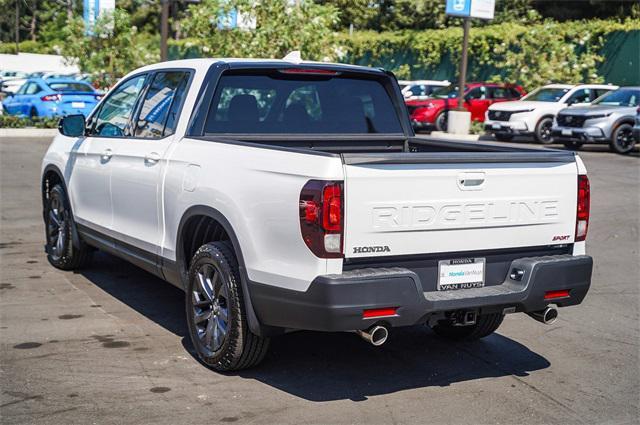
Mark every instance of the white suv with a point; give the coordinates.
(420, 89)
(533, 114)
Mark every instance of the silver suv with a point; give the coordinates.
(609, 119)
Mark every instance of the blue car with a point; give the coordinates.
(52, 98)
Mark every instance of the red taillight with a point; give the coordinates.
(321, 217)
(582, 211)
(550, 295)
(379, 312)
(308, 71)
(332, 208)
(51, 98)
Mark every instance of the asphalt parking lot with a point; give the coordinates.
(109, 344)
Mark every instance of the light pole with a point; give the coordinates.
(164, 30)
(17, 26)
(463, 63)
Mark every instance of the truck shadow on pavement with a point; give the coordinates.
(318, 366)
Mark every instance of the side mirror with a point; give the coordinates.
(72, 125)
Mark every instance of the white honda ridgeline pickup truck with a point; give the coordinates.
(294, 195)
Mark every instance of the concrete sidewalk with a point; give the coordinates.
(28, 132)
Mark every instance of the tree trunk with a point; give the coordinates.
(32, 25)
(69, 10)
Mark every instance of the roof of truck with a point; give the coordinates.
(204, 64)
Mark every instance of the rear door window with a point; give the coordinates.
(580, 96)
(158, 113)
(498, 93)
(273, 102)
(32, 88)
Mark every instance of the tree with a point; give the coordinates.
(280, 27)
(114, 48)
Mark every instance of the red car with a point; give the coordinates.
(431, 114)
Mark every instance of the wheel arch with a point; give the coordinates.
(194, 219)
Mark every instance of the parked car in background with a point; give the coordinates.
(6, 75)
(636, 127)
(52, 98)
(533, 114)
(12, 86)
(431, 114)
(609, 119)
(420, 89)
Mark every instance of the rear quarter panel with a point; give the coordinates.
(257, 190)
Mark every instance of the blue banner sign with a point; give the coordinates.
(93, 9)
(482, 9)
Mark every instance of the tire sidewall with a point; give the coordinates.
(543, 121)
(65, 259)
(441, 121)
(614, 139)
(214, 254)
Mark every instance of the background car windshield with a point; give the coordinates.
(275, 102)
(620, 98)
(448, 92)
(71, 87)
(546, 95)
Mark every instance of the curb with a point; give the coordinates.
(450, 136)
(28, 132)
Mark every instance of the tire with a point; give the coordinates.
(622, 140)
(441, 121)
(573, 145)
(542, 133)
(503, 137)
(486, 324)
(216, 313)
(33, 113)
(58, 222)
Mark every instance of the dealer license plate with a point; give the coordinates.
(77, 104)
(566, 132)
(461, 273)
(496, 126)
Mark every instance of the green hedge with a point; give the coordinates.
(531, 55)
(30, 47)
(12, 121)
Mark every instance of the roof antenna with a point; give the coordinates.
(293, 57)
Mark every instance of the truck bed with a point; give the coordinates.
(387, 150)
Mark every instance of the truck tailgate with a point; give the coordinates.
(413, 207)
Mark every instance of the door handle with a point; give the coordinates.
(152, 158)
(106, 155)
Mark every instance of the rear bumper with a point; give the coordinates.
(336, 302)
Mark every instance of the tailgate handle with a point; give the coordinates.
(471, 181)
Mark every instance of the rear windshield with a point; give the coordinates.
(71, 87)
(621, 97)
(277, 103)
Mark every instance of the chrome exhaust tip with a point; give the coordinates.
(547, 316)
(376, 335)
